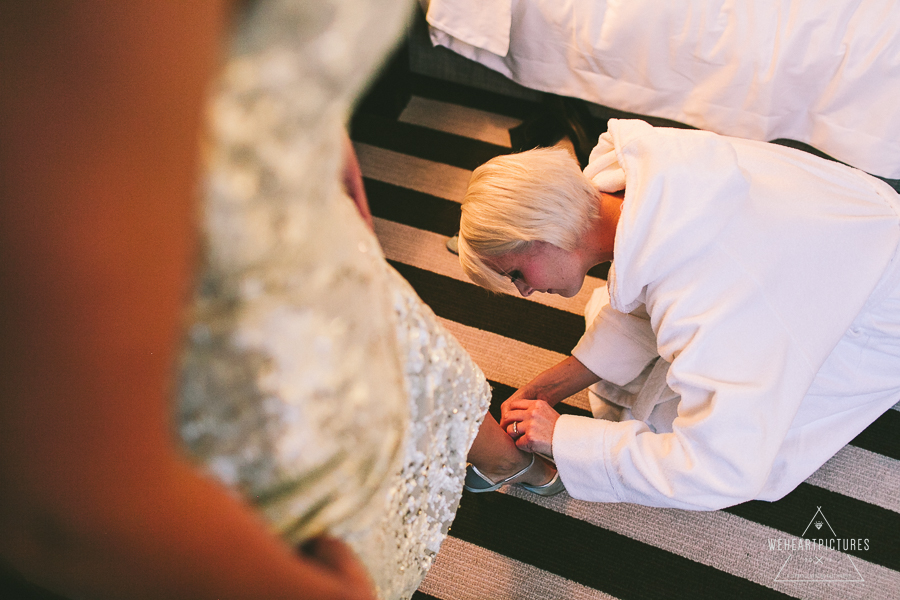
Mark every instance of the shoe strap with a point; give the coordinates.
(504, 481)
(522, 472)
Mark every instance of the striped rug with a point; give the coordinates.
(418, 140)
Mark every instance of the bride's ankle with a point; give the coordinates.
(503, 468)
(540, 473)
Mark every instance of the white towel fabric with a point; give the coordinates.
(635, 374)
(603, 167)
(484, 24)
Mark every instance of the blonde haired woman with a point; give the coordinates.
(751, 326)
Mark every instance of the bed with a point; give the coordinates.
(824, 74)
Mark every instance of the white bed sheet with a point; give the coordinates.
(823, 73)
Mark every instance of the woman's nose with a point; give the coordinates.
(523, 288)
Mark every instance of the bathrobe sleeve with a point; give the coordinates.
(741, 381)
(616, 346)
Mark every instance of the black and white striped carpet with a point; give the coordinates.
(418, 140)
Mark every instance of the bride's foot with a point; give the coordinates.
(541, 472)
(534, 471)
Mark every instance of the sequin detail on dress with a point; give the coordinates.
(315, 382)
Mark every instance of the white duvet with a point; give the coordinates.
(824, 73)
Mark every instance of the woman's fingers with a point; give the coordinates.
(531, 424)
(522, 404)
(509, 410)
(519, 410)
(507, 405)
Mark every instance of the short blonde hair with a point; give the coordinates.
(518, 199)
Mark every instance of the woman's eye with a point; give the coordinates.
(514, 276)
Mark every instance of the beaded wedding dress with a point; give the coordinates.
(315, 382)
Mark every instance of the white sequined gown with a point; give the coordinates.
(315, 382)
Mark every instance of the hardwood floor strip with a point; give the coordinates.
(459, 120)
(415, 140)
(414, 209)
(446, 91)
(419, 174)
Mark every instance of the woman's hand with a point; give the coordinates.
(520, 394)
(530, 423)
(552, 386)
(528, 417)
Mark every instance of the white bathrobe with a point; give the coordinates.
(769, 281)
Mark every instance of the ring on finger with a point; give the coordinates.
(515, 428)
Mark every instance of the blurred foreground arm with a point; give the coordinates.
(101, 108)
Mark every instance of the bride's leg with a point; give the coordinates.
(496, 455)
